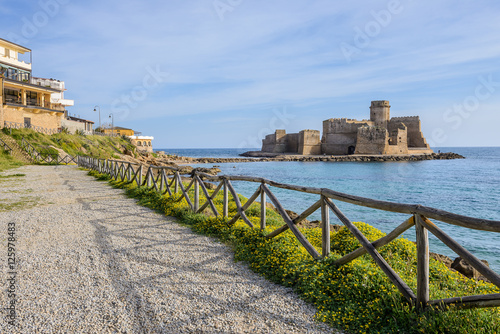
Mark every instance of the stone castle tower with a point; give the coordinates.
(380, 113)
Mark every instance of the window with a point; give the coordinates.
(12, 96)
(31, 98)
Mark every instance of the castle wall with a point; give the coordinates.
(269, 143)
(415, 135)
(292, 143)
(309, 142)
(281, 142)
(398, 142)
(372, 140)
(341, 134)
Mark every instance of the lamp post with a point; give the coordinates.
(112, 125)
(100, 129)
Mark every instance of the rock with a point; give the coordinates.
(128, 152)
(466, 269)
(61, 152)
(185, 170)
(258, 154)
(441, 258)
(270, 206)
(307, 224)
(210, 186)
(293, 215)
(211, 171)
(336, 228)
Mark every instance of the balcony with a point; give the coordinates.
(12, 61)
(31, 102)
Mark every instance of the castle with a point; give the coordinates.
(381, 134)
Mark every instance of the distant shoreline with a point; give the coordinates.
(257, 156)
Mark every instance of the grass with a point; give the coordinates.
(22, 203)
(8, 162)
(356, 297)
(103, 147)
(12, 175)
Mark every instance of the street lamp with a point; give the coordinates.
(100, 129)
(112, 125)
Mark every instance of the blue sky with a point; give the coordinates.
(223, 73)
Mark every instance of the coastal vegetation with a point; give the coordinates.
(7, 161)
(356, 297)
(104, 147)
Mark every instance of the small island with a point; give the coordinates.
(381, 138)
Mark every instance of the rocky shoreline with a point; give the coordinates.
(162, 159)
(352, 158)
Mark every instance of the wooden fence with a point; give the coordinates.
(6, 147)
(163, 179)
(49, 158)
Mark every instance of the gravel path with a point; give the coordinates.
(89, 260)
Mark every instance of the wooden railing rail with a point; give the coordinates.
(6, 147)
(50, 158)
(162, 179)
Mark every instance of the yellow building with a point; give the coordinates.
(26, 101)
(143, 143)
(118, 131)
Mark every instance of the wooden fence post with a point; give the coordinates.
(422, 263)
(140, 176)
(196, 194)
(225, 205)
(176, 186)
(325, 227)
(263, 208)
(148, 177)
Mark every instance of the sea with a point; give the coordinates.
(469, 187)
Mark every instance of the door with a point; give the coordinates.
(27, 122)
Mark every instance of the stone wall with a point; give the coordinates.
(292, 143)
(380, 112)
(415, 135)
(309, 142)
(339, 135)
(372, 140)
(281, 142)
(398, 143)
(73, 126)
(51, 120)
(275, 142)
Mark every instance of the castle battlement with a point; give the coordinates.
(405, 118)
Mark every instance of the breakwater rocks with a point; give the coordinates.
(255, 156)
